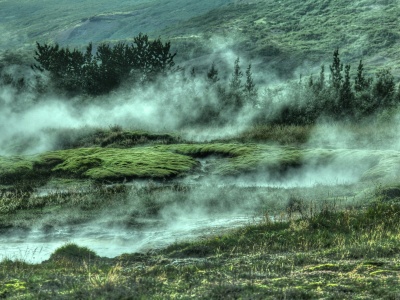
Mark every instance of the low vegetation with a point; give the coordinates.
(323, 253)
(167, 161)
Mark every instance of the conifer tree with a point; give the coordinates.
(361, 83)
(212, 74)
(336, 71)
(236, 80)
(346, 96)
(249, 87)
(234, 98)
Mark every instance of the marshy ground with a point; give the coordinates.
(128, 214)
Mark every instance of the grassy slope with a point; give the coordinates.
(287, 34)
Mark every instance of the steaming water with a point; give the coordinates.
(37, 245)
(108, 240)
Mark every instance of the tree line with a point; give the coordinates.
(333, 93)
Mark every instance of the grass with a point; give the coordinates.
(113, 137)
(316, 242)
(167, 161)
(330, 253)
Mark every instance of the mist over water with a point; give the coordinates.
(30, 125)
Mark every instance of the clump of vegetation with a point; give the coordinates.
(113, 137)
(78, 72)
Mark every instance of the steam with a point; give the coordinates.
(173, 103)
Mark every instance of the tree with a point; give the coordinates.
(151, 58)
(384, 88)
(336, 71)
(236, 80)
(320, 84)
(212, 74)
(361, 83)
(249, 87)
(346, 96)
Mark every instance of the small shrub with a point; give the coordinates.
(295, 205)
(72, 252)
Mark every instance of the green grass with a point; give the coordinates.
(113, 137)
(245, 158)
(317, 242)
(98, 164)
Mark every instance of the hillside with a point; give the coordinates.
(289, 34)
(281, 36)
(79, 22)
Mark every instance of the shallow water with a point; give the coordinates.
(37, 245)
